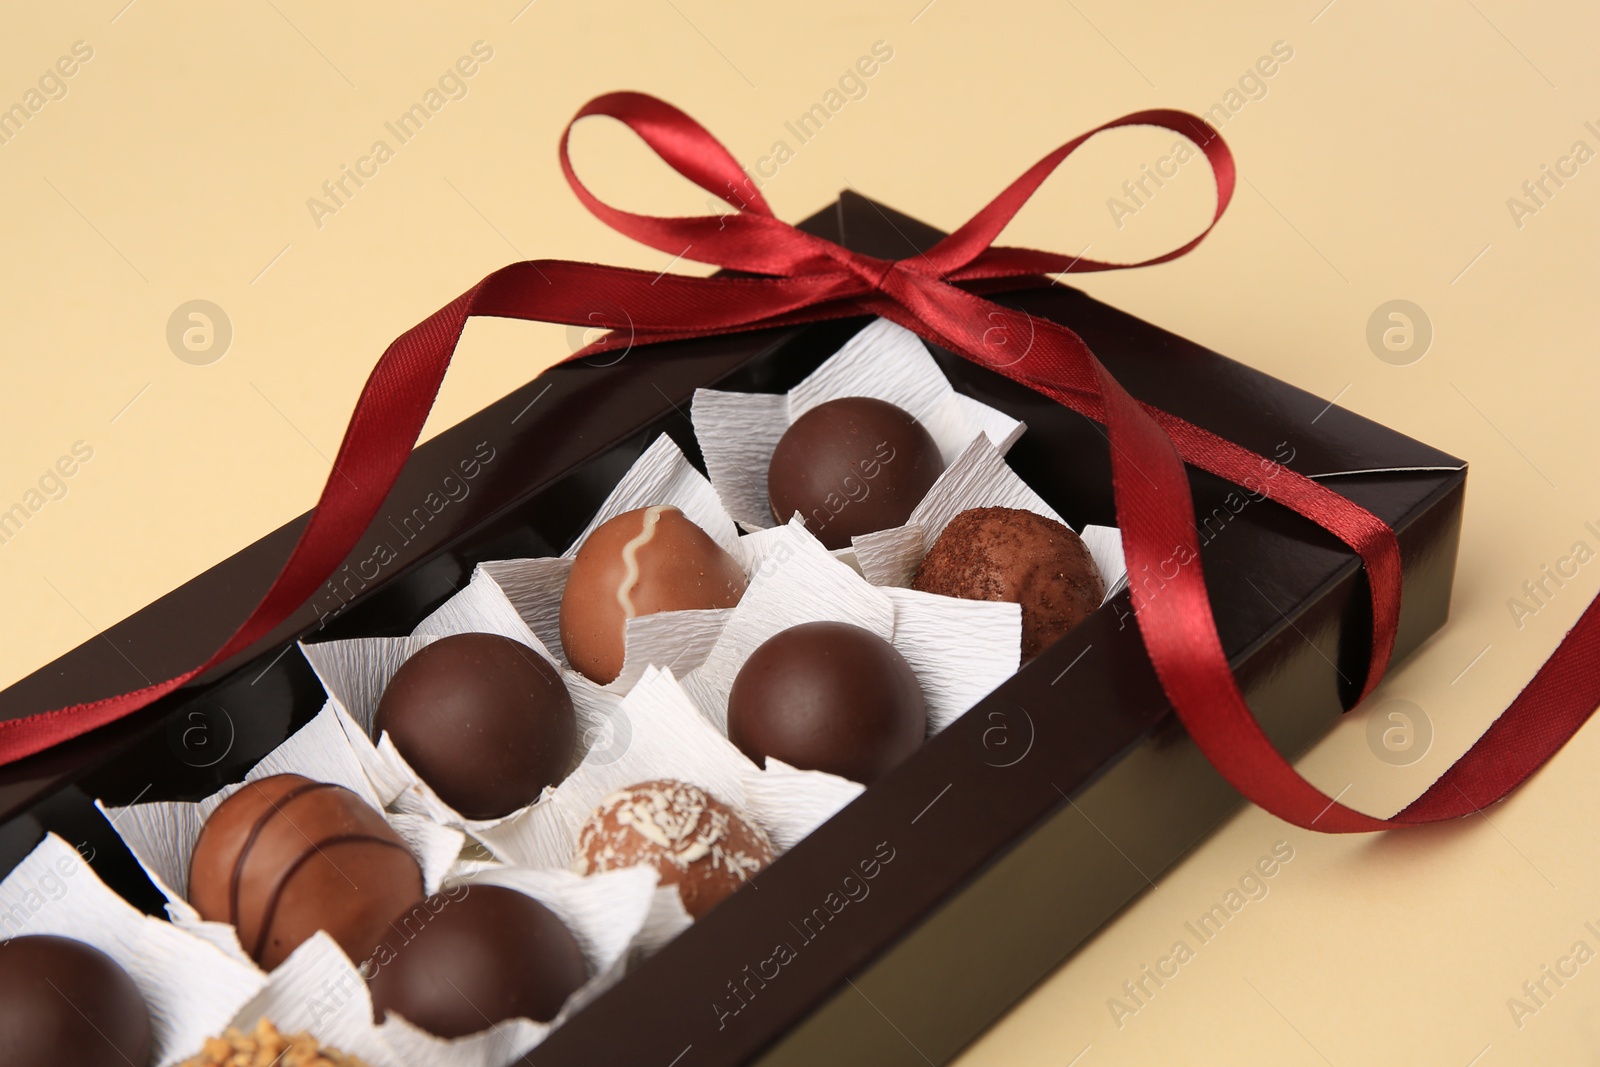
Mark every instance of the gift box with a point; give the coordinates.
(910, 920)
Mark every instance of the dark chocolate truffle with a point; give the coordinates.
(62, 1001)
(473, 956)
(641, 562)
(285, 857)
(694, 840)
(828, 696)
(1020, 556)
(485, 720)
(852, 466)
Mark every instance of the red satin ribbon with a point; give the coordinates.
(802, 278)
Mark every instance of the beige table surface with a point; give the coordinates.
(177, 161)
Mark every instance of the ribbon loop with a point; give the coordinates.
(749, 239)
(968, 253)
(684, 144)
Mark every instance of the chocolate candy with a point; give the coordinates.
(473, 956)
(695, 841)
(828, 696)
(852, 466)
(485, 720)
(1020, 556)
(641, 562)
(264, 1044)
(62, 1001)
(285, 857)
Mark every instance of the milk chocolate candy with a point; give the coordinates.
(641, 562)
(695, 841)
(285, 857)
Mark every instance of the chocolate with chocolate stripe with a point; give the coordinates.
(285, 857)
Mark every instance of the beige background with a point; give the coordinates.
(1377, 165)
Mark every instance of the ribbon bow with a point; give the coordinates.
(787, 277)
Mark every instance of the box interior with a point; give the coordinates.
(1001, 865)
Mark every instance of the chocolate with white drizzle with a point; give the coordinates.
(641, 562)
(697, 843)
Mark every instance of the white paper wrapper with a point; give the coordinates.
(521, 600)
(791, 802)
(979, 478)
(318, 989)
(356, 672)
(663, 475)
(663, 734)
(162, 834)
(739, 431)
(959, 649)
(676, 639)
(658, 733)
(614, 917)
(191, 987)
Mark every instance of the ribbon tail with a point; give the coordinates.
(1551, 708)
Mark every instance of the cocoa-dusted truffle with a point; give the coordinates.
(828, 696)
(485, 720)
(285, 857)
(695, 841)
(62, 1001)
(1020, 556)
(641, 562)
(852, 466)
(473, 956)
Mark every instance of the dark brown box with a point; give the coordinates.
(996, 851)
